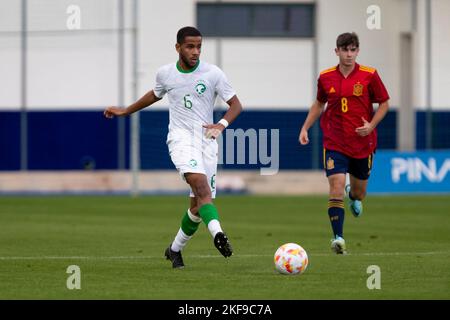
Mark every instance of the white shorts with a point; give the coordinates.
(200, 156)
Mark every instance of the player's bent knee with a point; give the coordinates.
(204, 197)
(202, 193)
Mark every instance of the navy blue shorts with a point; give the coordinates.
(336, 162)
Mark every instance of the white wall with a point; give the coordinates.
(419, 69)
(73, 70)
(9, 55)
(66, 69)
(441, 54)
(270, 73)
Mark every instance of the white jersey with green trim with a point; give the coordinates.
(192, 94)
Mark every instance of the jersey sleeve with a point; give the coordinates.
(377, 90)
(160, 88)
(223, 87)
(321, 93)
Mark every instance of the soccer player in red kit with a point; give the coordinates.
(348, 125)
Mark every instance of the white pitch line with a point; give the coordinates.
(217, 256)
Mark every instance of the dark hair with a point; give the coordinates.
(346, 39)
(187, 32)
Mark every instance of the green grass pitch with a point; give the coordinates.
(118, 243)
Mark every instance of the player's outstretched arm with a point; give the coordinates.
(214, 130)
(313, 114)
(148, 99)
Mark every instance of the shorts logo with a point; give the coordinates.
(330, 164)
(200, 88)
(193, 163)
(358, 89)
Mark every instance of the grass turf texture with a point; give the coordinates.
(118, 242)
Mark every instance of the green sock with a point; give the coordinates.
(188, 226)
(208, 212)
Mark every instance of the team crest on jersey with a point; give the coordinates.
(330, 164)
(193, 163)
(200, 87)
(358, 89)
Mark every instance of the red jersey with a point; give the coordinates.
(349, 99)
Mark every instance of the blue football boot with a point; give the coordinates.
(356, 206)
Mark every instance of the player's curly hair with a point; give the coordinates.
(346, 39)
(187, 32)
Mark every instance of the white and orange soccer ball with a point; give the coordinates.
(291, 258)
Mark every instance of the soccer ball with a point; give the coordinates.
(291, 258)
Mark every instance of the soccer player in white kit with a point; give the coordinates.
(192, 87)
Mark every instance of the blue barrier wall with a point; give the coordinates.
(292, 155)
(9, 140)
(440, 122)
(63, 140)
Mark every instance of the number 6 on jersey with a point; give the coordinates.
(187, 102)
